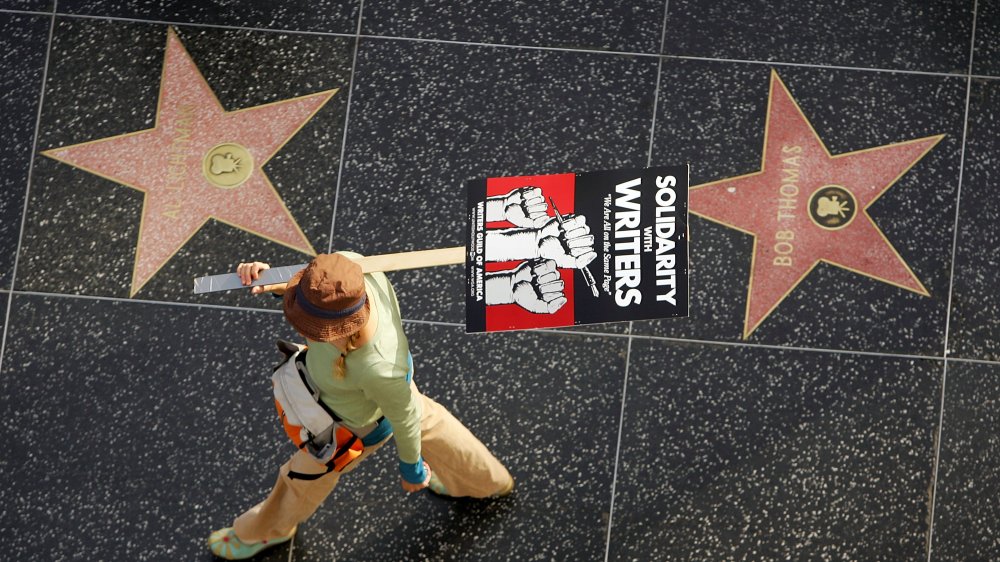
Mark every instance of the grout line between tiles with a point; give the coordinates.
(24, 12)
(985, 77)
(205, 25)
(618, 447)
(631, 331)
(347, 120)
(508, 46)
(937, 463)
(27, 186)
(357, 34)
(777, 347)
(990, 362)
(150, 301)
(819, 66)
(951, 289)
(631, 334)
(680, 57)
(958, 195)
(972, 40)
(656, 101)
(581, 333)
(656, 92)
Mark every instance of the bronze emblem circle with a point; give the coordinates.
(832, 207)
(227, 165)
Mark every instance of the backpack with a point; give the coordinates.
(307, 421)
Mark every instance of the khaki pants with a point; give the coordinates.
(461, 462)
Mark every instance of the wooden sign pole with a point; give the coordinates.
(412, 260)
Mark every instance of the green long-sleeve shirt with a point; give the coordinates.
(376, 381)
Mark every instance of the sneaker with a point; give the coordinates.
(225, 544)
(435, 486)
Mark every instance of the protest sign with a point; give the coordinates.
(571, 249)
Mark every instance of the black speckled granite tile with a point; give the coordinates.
(986, 57)
(27, 5)
(736, 453)
(975, 312)
(547, 405)
(23, 40)
(896, 34)
(427, 117)
(331, 16)
(603, 25)
(131, 431)
(966, 512)
(104, 80)
(714, 116)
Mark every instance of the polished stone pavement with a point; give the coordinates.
(857, 421)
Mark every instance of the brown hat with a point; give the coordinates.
(326, 301)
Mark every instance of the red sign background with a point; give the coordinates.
(559, 187)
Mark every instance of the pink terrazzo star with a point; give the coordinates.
(806, 206)
(199, 162)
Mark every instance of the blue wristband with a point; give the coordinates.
(413, 473)
(380, 433)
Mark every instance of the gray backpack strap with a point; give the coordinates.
(287, 348)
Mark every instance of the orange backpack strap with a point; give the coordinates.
(348, 449)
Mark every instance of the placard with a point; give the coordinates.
(571, 249)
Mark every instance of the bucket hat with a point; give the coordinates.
(327, 301)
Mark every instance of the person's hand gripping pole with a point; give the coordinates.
(250, 272)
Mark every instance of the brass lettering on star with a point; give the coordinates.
(832, 207)
(177, 153)
(788, 195)
(227, 165)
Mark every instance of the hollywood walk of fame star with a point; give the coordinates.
(199, 162)
(805, 206)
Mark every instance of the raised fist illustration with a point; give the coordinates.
(569, 244)
(524, 207)
(534, 286)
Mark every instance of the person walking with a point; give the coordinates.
(359, 358)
